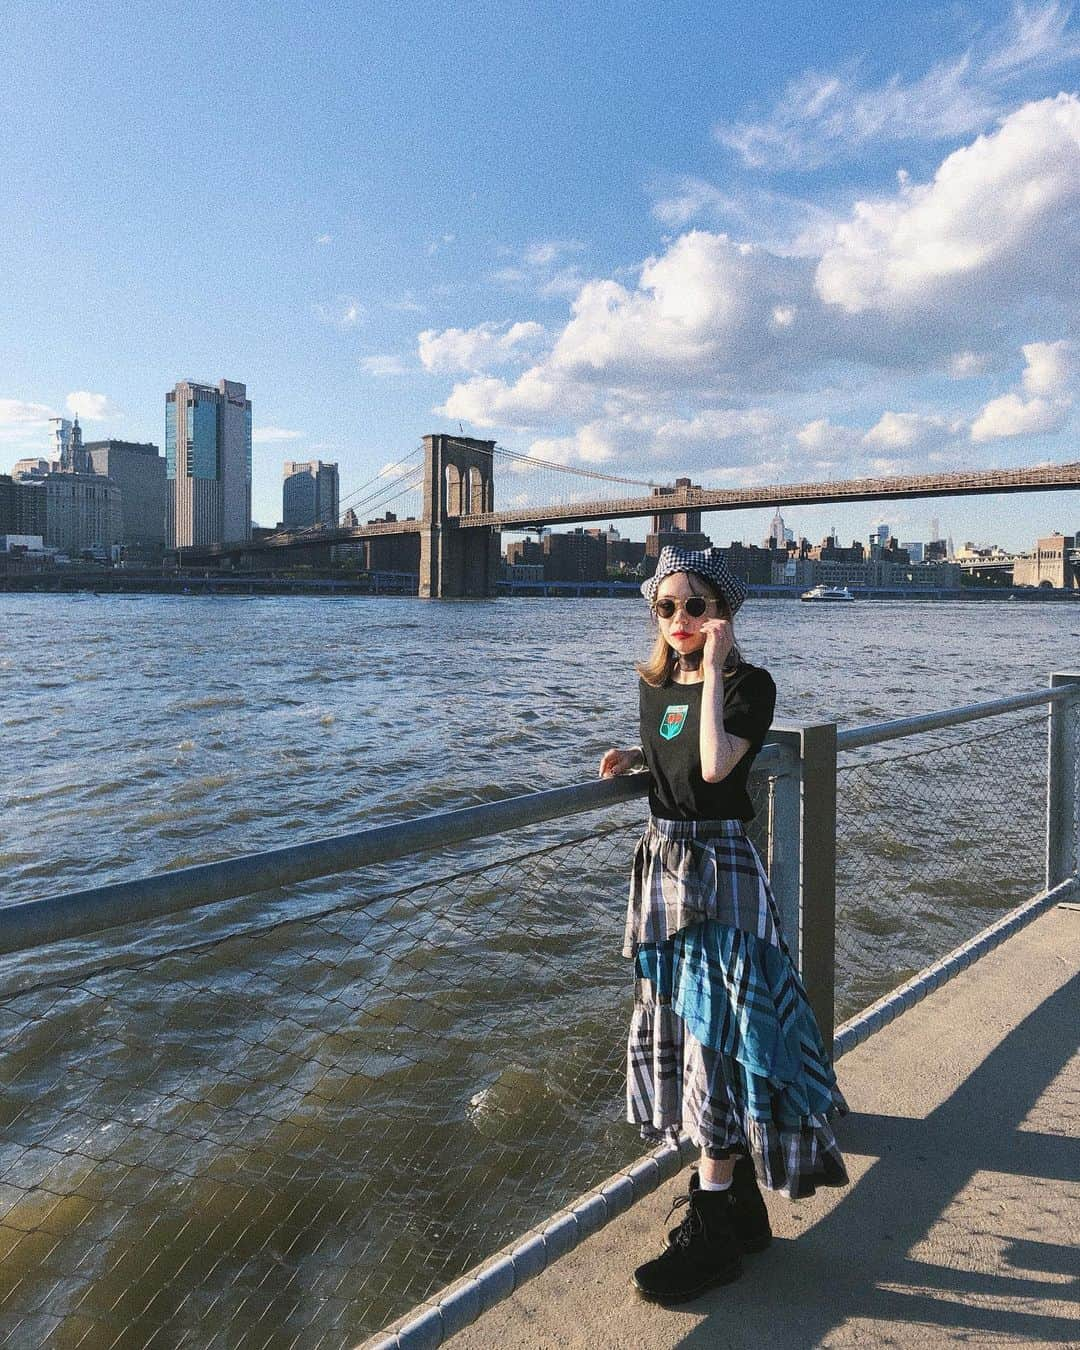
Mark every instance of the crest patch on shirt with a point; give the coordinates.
(673, 720)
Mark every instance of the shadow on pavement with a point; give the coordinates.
(855, 1262)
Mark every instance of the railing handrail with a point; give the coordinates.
(35, 923)
(875, 733)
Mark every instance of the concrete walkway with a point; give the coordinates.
(962, 1222)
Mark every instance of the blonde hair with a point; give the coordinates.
(658, 668)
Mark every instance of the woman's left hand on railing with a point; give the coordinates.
(615, 762)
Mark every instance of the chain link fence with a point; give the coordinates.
(937, 836)
(285, 1122)
(245, 1134)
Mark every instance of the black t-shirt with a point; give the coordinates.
(670, 728)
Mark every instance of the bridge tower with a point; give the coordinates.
(458, 481)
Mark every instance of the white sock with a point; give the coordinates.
(714, 1185)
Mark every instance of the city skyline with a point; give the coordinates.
(750, 248)
(632, 528)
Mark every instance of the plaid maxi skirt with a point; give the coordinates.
(723, 1043)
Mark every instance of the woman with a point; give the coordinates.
(723, 1043)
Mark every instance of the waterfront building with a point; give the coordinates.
(22, 506)
(914, 551)
(208, 463)
(22, 543)
(62, 431)
(623, 555)
(575, 556)
(580, 555)
(657, 540)
(525, 553)
(309, 494)
(82, 514)
(680, 528)
(530, 572)
(688, 522)
(34, 469)
(875, 573)
(81, 509)
(1049, 565)
(749, 562)
(138, 470)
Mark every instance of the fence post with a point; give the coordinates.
(785, 833)
(1062, 806)
(817, 927)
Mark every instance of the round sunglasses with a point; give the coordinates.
(695, 606)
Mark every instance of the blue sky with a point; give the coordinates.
(740, 242)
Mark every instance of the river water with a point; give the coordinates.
(294, 1116)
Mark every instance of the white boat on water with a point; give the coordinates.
(840, 593)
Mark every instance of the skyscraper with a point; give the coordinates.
(778, 533)
(309, 494)
(208, 463)
(138, 470)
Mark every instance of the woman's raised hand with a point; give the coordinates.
(615, 762)
(719, 640)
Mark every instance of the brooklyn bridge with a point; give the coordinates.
(452, 484)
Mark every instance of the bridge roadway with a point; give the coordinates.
(1042, 479)
(1045, 478)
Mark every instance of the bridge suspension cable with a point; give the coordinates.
(386, 480)
(517, 457)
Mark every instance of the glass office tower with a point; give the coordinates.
(208, 463)
(309, 494)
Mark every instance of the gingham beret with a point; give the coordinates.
(708, 563)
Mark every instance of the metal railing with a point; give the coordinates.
(294, 1123)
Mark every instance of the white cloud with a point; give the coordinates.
(1049, 367)
(700, 316)
(822, 435)
(1012, 415)
(17, 413)
(590, 444)
(477, 349)
(543, 268)
(998, 217)
(1049, 370)
(902, 431)
(675, 364)
(1038, 39)
(408, 304)
(547, 251)
(273, 435)
(344, 312)
(324, 239)
(89, 407)
(963, 365)
(888, 468)
(690, 199)
(384, 365)
(24, 427)
(822, 115)
(539, 396)
(715, 425)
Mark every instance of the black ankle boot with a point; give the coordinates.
(749, 1214)
(703, 1252)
